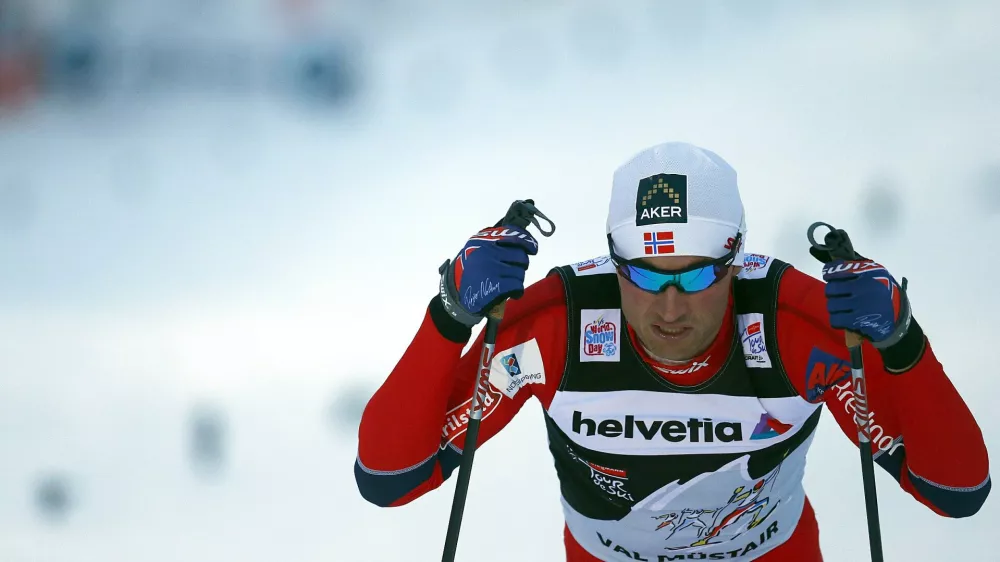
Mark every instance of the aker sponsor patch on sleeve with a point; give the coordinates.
(823, 372)
(752, 337)
(517, 366)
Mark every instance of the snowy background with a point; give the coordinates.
(220, 223)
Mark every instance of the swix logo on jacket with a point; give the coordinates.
(693, 367)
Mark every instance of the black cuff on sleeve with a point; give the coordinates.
(907, 352)
(451, 329)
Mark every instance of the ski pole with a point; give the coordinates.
(838, 245)
(520, 214)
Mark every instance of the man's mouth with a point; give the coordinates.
(670, 333)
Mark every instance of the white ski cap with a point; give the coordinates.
(676, 199)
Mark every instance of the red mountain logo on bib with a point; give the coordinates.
(769, 427)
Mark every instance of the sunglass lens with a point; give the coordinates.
(688, 282)
(699, 279)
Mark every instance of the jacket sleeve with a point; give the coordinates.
(922, 432)
(412, 431)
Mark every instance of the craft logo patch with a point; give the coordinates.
(752, 336)
(661, 199)
(600, 333)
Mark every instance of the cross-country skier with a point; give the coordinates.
(680, 366)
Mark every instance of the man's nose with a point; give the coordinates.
(671, 305)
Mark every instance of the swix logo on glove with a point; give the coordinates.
(850, 267)
(497, 234)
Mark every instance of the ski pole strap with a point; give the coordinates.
(522, 213)
(836, 242)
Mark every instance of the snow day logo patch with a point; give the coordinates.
(661, 199)
(600, 330)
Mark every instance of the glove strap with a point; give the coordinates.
(902, 325)
(448, 294)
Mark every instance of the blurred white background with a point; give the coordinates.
(221, 220)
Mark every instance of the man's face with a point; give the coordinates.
(674, 325)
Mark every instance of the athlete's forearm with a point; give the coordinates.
(401, 424)
(946, 457)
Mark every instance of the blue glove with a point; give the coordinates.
(861, 296)
(489, 268)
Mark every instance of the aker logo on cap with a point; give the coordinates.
(661, 199)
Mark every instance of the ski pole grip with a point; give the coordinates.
(496, 313)
(853, 339)
(838, 244)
